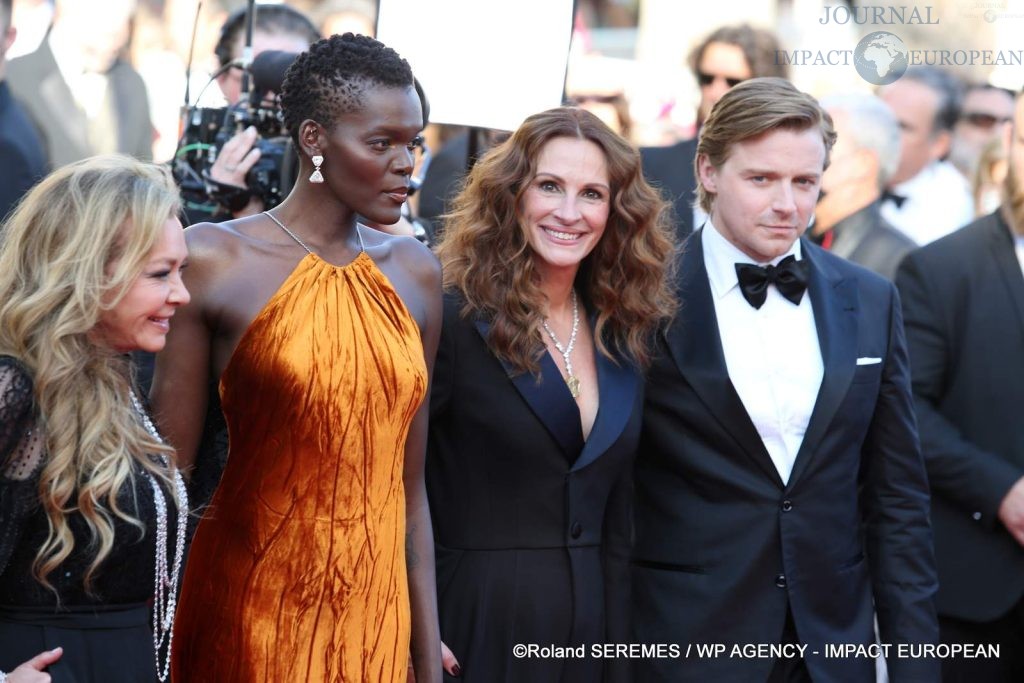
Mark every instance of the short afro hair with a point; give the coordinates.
(333, 75)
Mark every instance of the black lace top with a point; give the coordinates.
(126, 576)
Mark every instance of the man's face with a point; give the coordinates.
(721, 67)
(915, 106)
(983, 113)
(766, 190)
(99, 29)
(1014, 184)
(231, 80)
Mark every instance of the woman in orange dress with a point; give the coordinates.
(314, 560)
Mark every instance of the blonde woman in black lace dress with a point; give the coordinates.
(91, 506)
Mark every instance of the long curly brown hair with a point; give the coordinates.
(626, 279)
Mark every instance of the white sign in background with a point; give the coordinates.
(482, 62)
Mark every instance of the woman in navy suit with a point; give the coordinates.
(555, 261)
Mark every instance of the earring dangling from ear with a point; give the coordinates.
(317, 176)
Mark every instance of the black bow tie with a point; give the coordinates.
(897, 199)
(789, 277)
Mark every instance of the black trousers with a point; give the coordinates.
(790, 669)
(1007, 631)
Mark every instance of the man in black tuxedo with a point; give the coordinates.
(781, 497)
(83, 97)
(964, 301)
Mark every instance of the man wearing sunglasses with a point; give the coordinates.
(985, 111)
(727, 57)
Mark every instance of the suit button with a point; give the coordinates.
(780, 580)
(576, 530)
(976, 516)
(787, 505)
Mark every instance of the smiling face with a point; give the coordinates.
(765, 191)
(141, 319)
(369, 153)
(565, 207)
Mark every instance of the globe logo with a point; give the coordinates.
(880, 58)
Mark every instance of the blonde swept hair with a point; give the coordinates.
(627, 279)
(70, 251)
(751, 109)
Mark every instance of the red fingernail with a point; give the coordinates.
(456, 671)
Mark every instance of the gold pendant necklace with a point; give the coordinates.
(571, 380)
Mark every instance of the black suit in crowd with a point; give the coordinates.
(531, 522)
(22, 160)
(867, 239)
(670, 169)
(724, 550)
(963, 298)
(38, 84)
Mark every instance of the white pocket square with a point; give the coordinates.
(867, 360)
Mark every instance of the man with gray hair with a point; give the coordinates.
(848, 220)
(927, 197)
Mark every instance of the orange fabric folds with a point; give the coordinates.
(297, 571)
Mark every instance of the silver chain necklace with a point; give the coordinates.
(165, 598)
(571, 380)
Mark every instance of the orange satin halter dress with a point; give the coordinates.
(297, 570)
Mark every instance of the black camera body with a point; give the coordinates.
(206, 130)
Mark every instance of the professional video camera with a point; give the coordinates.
(206, 129)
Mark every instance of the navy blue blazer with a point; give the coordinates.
(723, 547)
(531, 523)
(22, 159)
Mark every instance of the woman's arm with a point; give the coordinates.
(419, 535)
(21, 454)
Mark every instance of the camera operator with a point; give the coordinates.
(275, 27)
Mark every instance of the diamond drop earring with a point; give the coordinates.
(317, 176)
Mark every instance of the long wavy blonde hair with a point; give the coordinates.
(627, 279)
(70, 251)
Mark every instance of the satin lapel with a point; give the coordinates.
(1004, 254)
(617, 386)
(834, 301)
(696, 348)
(549, 400)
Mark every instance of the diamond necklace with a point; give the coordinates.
(571, 380)
(165, 598)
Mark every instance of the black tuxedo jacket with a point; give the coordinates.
(38, 84)
(723, 547)
(964, 301)
(670, 169)
(531, 522)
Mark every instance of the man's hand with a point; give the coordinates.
(1011, 511)
(235, 159)
(32, 670)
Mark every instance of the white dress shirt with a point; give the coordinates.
(772, 353)
(938, 201)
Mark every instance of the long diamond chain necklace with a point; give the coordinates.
(571, 380)
(165, 599)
